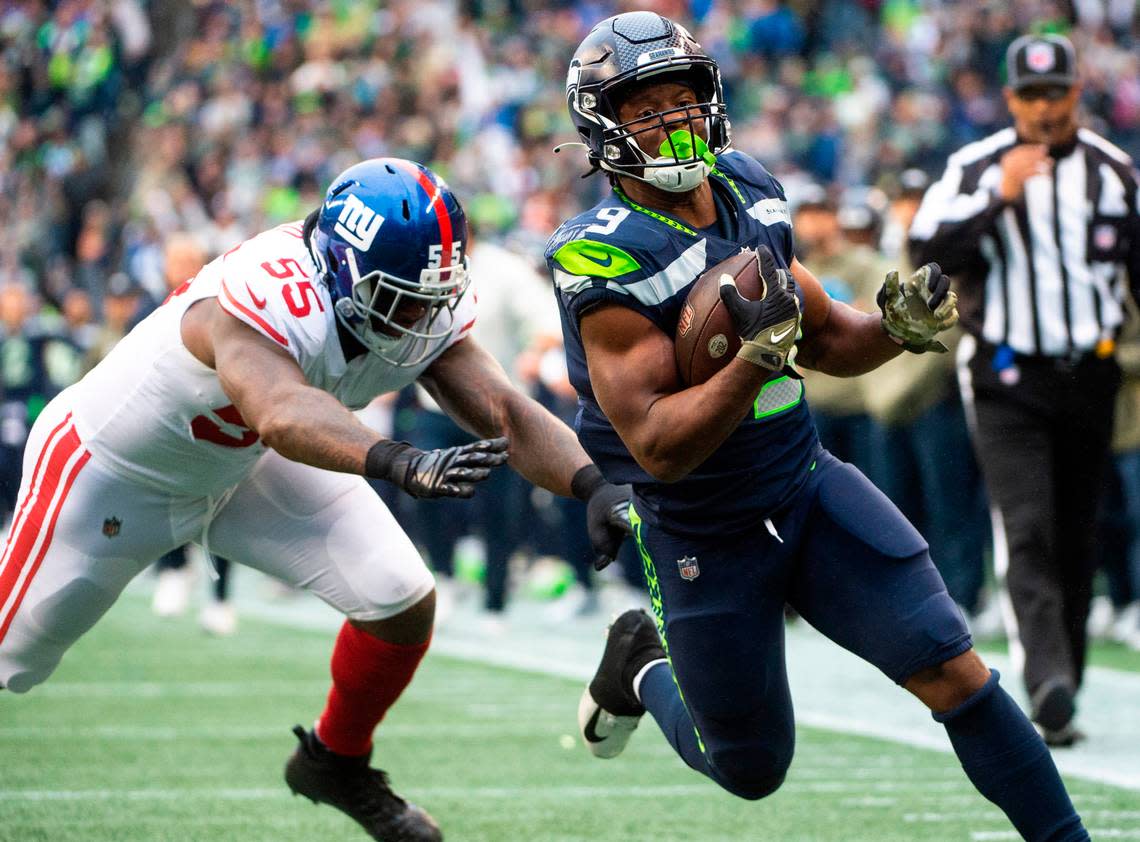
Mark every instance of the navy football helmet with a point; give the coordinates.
(633, 47)
(390, 240)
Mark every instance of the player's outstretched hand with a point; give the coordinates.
(768, 328)
(449, 472)
(919, 308)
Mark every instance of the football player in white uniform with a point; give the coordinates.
(225, 417)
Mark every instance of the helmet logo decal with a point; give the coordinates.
(653, 55)
(573, 74)
(358, 223)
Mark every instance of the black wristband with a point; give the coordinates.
(586, 481)
(381, 456)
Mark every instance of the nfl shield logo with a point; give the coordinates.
(1040, 57)
(111, 526)
(688, 568)
(686, 320)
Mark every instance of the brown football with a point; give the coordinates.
(705, 340)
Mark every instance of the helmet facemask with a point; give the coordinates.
(683, 159)
(370, 313)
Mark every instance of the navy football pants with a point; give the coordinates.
(846, 560)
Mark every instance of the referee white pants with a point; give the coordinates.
(81, 532)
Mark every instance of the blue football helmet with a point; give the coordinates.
(390, 240)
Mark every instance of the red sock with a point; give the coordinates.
(368, 676)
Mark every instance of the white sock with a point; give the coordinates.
(641, 674)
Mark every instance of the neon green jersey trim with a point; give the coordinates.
(731, 184)
(597, 260)
(654, 586)
(672, 223)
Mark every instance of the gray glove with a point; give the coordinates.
(919, 308)
(768, 328)
(450, 472)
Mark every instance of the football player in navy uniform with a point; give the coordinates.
(736, 508)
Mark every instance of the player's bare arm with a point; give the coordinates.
(269, 389)
(838, 339)
(844, 342)
(669, 429)
(474, 390)
(308, 425)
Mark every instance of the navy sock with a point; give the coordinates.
(661, 698)
(1011, 766)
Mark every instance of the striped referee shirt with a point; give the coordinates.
(1045, 274)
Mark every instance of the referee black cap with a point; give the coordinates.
(1041, 60)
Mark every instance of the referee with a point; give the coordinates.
(1039, 224)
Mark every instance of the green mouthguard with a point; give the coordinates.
(683, 145)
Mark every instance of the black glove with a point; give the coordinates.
(607, 512)
(768, 328)
(450, 472)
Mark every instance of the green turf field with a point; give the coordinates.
(151, 731)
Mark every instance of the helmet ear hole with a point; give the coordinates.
(407, 210)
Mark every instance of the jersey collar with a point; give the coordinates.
(673, 223)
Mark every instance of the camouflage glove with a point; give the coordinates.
(917, 309)
(768, 328)
(450, 472)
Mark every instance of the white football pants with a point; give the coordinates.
(81, 533)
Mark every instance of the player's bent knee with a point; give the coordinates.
(947, 685)
(410, 627)
(750, 772)
(754, 790)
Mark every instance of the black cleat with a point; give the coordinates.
(358, 791)
(608, 712)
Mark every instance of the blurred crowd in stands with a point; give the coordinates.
(126, 125)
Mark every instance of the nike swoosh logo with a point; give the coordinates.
(778, 337)
(260, 302)
(590, 732)
(609, 259)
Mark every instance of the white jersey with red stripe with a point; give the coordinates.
(152, 412)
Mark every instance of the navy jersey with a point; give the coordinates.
(621, 253)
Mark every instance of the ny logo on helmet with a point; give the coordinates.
(358, 223)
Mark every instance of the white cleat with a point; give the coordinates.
(605, 734)
(609, 709)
